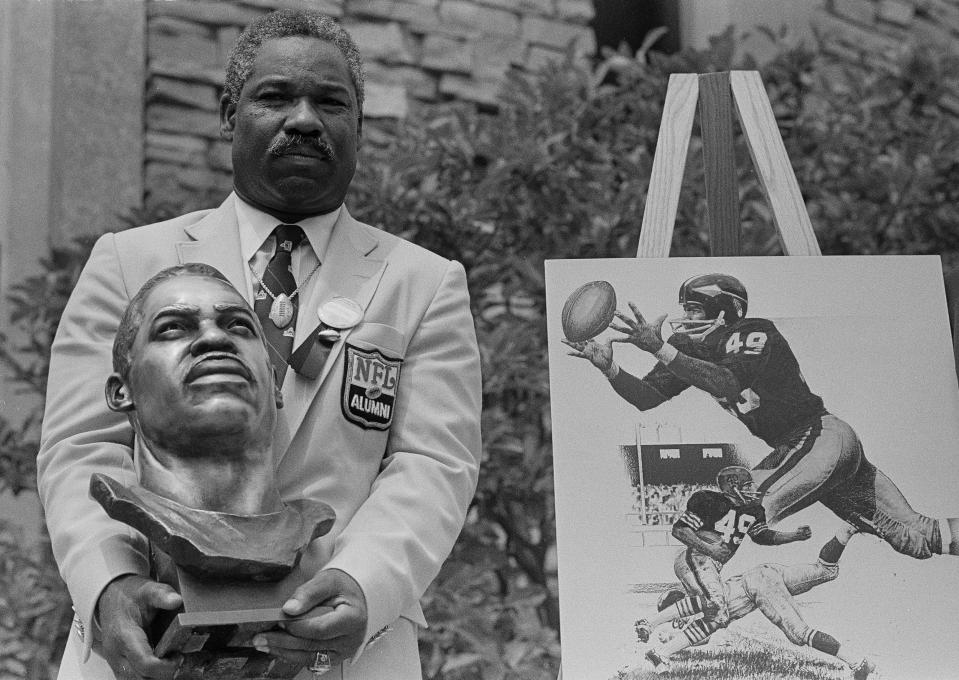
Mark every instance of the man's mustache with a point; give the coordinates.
(296, 142)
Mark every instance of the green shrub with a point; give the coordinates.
(35, 611)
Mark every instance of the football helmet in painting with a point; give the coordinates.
(736, 482)
(709, 301)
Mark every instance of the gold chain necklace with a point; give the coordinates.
(281, 311)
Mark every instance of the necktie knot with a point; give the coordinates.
(288, 237)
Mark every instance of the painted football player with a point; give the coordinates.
(712, 527)
(748, 367)
(770, 589)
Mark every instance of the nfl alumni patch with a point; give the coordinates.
(369, 388)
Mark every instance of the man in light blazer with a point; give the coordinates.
(380, 418)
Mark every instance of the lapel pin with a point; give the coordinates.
(340, 313)
(328, 335)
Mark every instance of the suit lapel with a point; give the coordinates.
(352, 268)
(215, 240)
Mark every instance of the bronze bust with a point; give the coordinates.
(193, 375)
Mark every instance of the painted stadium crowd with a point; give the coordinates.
(664, 502)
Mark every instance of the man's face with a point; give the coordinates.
(294, 129)
(689, 323)
(693, 311)
(199, 367)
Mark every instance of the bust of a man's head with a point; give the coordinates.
(193, 375)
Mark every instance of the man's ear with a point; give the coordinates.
(227, 117)
(118, 395)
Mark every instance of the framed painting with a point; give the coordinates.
(755, 467)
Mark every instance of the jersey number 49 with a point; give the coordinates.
(732, 529)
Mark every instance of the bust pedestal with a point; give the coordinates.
(233, 572)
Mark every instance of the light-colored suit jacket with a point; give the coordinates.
(400, 481)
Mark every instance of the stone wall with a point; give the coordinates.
(875, 32)
(415, 51)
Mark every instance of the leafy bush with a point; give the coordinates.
(35, 610)
(560, 172)
(876, 155)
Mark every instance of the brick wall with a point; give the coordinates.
(877, 31)
(414, 51)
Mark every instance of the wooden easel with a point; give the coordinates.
(717, 94)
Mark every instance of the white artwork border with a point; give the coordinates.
(871, 336)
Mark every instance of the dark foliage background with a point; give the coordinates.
(559, 172)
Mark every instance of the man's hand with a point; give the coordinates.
(647, 336)
(339, 632)
(803, 533)
(599, 354)
(125, 609)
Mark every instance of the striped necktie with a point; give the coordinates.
(273, 306)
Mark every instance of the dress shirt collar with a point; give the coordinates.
(256, 227)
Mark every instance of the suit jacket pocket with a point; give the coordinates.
(387, 339)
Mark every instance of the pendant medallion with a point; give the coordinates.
(281, 311)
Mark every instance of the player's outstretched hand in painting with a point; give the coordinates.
(637, 331)
(598, 353)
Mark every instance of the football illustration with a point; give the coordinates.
(588, 311)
